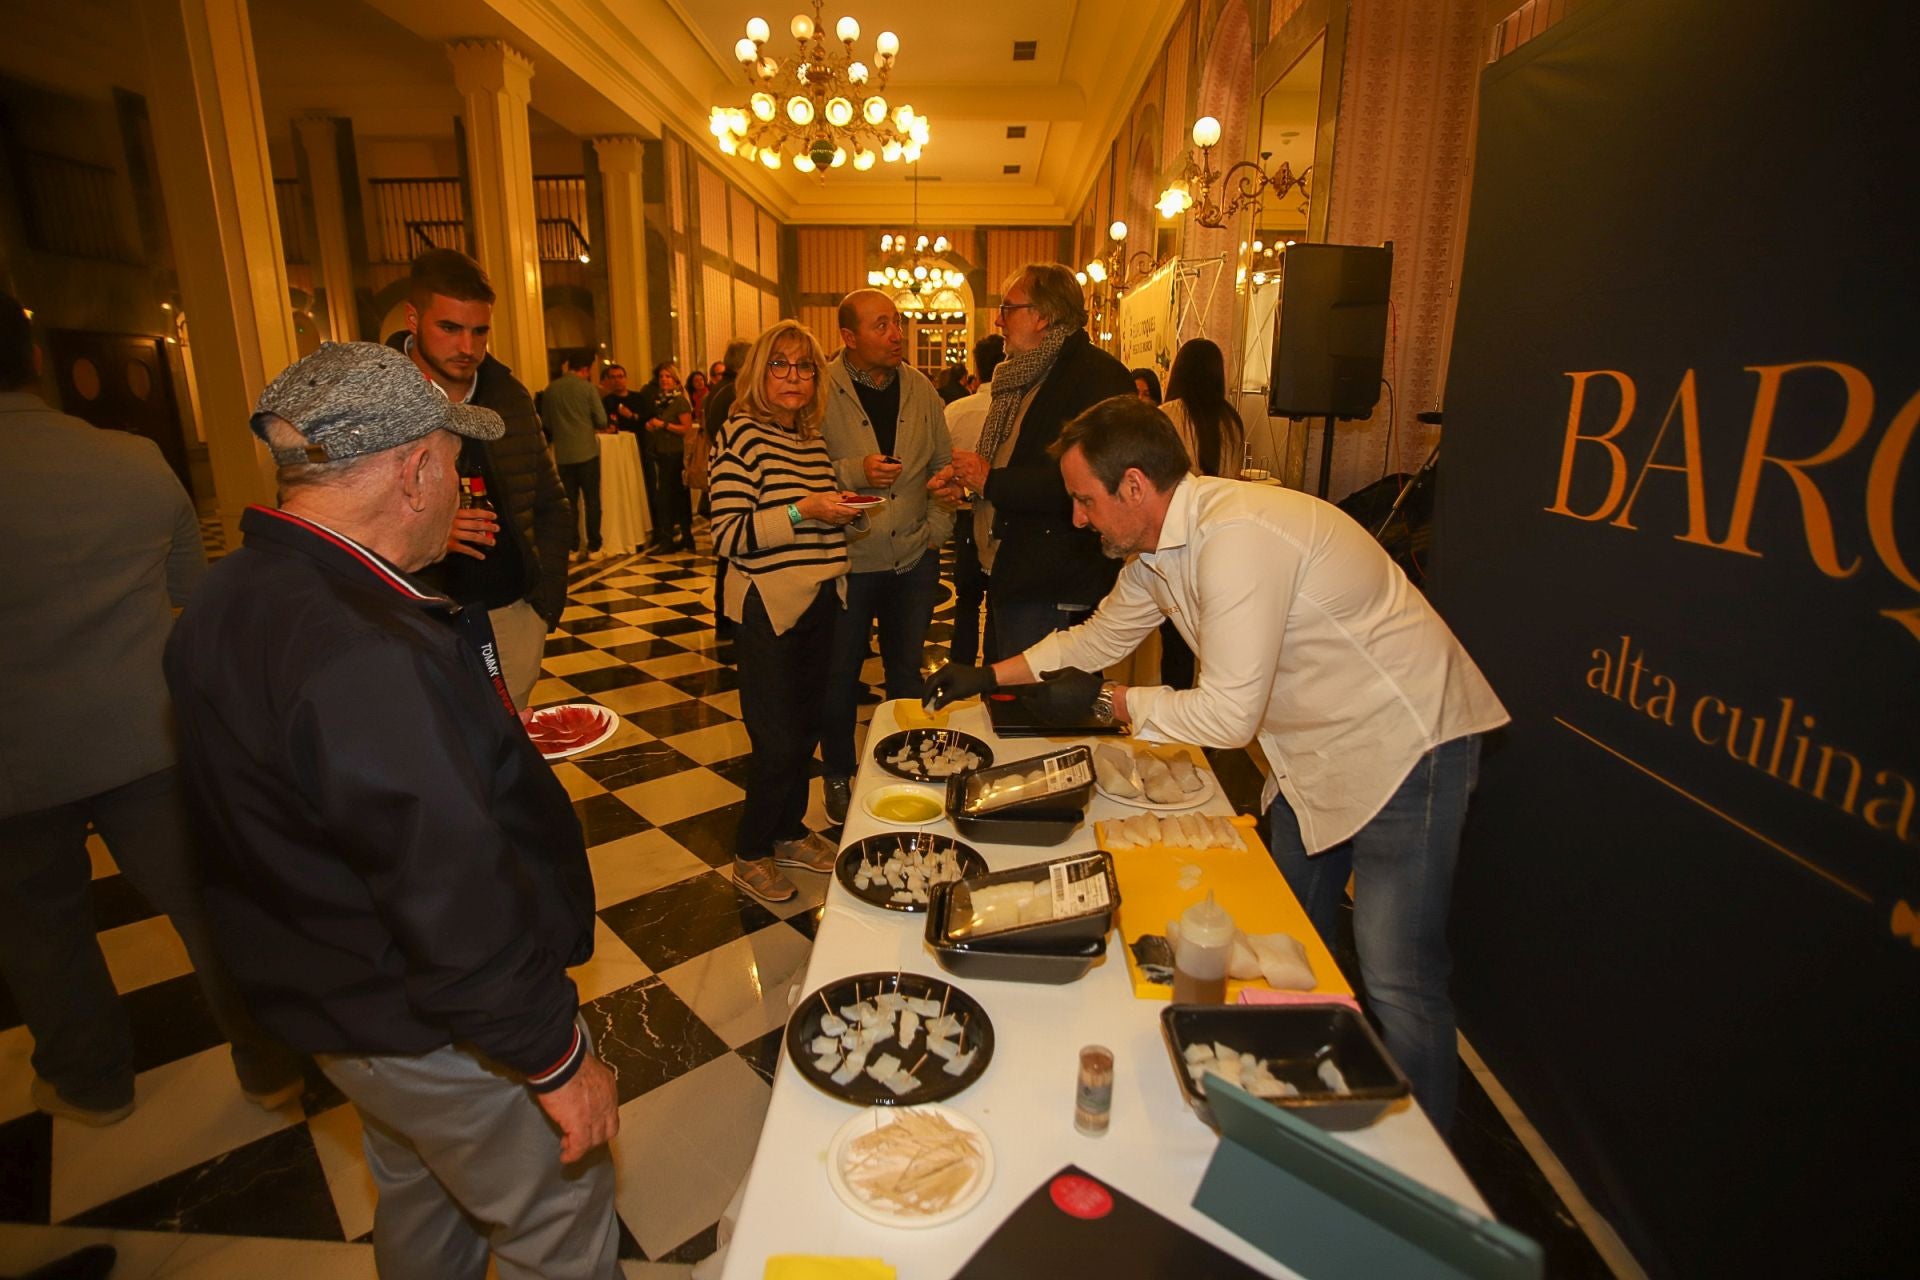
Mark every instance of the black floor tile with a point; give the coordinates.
(763, 1054)
(648, 1036)
(734, 770)
(703, 684)
(320, 1095)
(170, 1020)
(674, 626)
(641, 762)
(272, 1187)
(680, 921)
(604, 818)
(558, 646)
(26, 1168)
(699, 1247)
(630, 1250)
(807, 923)
(641, 650)
(587, 626)
(709, 836)
(678, 717)
(117, 902)
(601, 679)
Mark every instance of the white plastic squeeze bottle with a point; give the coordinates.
(1200, 961)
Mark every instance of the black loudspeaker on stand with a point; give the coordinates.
(1330, 337)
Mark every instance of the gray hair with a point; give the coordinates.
(289, 476)
(1055, 294)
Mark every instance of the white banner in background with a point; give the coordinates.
(1148, 325)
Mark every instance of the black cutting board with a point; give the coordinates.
(1012, 714)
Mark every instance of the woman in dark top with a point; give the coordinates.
(1209, 426)
(1146, 384)
(779, 522)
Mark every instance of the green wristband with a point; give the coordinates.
(793, 513)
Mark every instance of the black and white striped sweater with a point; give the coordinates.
(758, 469)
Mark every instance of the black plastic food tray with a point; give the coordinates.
(1089, 926)
(1293, 1038)
(1051, 965)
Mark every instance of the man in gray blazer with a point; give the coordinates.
(887, 431)
(102, 544)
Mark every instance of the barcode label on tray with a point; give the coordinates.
(1079, 886)
(1062, 776)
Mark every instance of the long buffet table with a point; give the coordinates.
(1155, 1151)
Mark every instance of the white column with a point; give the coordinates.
(319, 137)
(210, 138)
(625, 252)
(495, 80)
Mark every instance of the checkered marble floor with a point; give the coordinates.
(686, 994)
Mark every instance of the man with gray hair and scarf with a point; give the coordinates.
(1044, 574)
(396, 876)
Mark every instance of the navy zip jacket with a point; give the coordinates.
(391, 866)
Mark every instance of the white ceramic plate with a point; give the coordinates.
(608, 722)
(879, 796)
(864, 502)
(1187, 801)
(886, 1215)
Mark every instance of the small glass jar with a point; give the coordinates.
(1093, 1095)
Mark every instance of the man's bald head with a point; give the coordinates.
(870, 329)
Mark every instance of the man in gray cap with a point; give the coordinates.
(395, 873)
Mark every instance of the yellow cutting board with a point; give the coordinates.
(1244, 881)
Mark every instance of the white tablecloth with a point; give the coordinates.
(1156, 1150)
(623, 495)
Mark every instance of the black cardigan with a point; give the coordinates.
(1042, 557)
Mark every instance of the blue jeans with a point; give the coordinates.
(1402, 863)
(902, 603)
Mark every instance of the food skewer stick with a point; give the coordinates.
(822, 993)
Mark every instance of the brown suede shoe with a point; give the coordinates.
(763, 880)
(811, 852)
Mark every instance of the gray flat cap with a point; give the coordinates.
(354, 398)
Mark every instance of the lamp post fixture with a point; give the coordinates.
(1245, 182)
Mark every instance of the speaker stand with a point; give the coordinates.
(1326, 456)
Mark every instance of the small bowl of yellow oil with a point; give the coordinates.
(905, 805)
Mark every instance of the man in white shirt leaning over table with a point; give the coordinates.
(1312, 643)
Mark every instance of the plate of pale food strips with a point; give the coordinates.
(1149, 777)
(1195, 831)
(910, 1166)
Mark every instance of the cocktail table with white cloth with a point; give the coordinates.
(624, 518)
(1155, 1151)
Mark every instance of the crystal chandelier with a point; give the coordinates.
(913, 268)
(822, 108)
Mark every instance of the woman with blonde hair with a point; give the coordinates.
(779, 521)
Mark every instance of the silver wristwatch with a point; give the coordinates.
(1103, 704)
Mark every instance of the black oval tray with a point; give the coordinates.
(890, 745)
(863, 1090)
(881, 847)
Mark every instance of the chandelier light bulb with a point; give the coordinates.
(769, 68)
(1118, 230)
(801, 26)
(847, 29)
(903, 116)
(890, 152)
(739, 122)
(801, 72)
(1206, 131)
(727, 145)
(747, 150)
(940, 245)
(863, 160)
(886, 44)
(839, 156)
(757, 30)
(745, 51)
(920, 245)
(763, 106)
(1081, 276)
(875, 109)
(1259, 247)
(803, 163)
(886, 244)
(770, 158)
(875, 279)
(717, 122)
(799, 110)
(911, 153)
(1097, 271)
(839, 112)
(919, 273)
(920, 132)
(856, 73)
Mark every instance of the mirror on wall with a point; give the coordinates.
(1289, 117)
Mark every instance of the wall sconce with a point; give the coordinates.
(1246, 180)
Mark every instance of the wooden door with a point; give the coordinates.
(120, 381)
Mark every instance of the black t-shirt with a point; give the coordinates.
(638, 403)
(883, 411)
(496, 581)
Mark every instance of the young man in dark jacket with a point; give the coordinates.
(395, 873)
(515, 565)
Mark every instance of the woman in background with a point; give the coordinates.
(779, 521)
(1210, 428)
(1146, 385)
(697, 388)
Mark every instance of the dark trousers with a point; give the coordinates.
(969, 592)
(1014, 626)
(50, 953)
(1176, 660)
(902, 603)
(781, 697)
(582, 479)
(673, 503)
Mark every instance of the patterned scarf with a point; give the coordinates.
(1012, 378)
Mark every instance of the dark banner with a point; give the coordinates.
(1679, 528)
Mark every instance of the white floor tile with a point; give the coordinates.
(649, 613)
(665, 800)
(337, 1139)
(627, 735)
(639, 697)
(579, 784)
(143, 953)
(696, 641)
(715, 742)
(683, 1149)
(166, 1255)
(575, 612)
(728, 702)
(16, 1073)
(602, 596)
(743, 989)
(678, 664)
(612, 967)
(673, 597)
(551, 689)
(586, 660)
(186, 1112)
(637, 864)
(618, 636)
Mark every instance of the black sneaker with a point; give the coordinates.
(839, 794)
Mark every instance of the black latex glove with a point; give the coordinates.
(1066, 697)
(953, 682)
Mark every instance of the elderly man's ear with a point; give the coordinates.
(418, 474)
